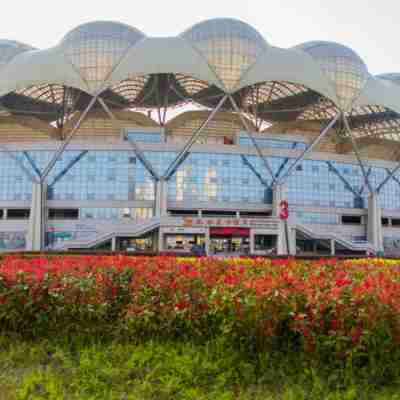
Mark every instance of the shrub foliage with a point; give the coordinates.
(334, 310)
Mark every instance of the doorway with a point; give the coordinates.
(230, 241)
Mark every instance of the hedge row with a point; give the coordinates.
(334, 309)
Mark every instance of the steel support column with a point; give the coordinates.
(391, 175)
(300, 158)
(37, 219)
(254, 171)
(11, 156)
(374, 223)
(342, 178)
(63, 146)
(160, 203)
(254, 141)
(160, 208)
(69, 166)
(57, 155)
(183, 153)
(357, 153)
(32, 164)
(364, 185)
(135, 147)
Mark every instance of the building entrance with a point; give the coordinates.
(230, 240)
(134, 244)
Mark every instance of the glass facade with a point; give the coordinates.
(56, 237)
(217, 178)
(391, 243)
(12, 240)
(115, 213)
(146, 137)
(317, 218)
(14, 183)
(273, 143)
(204, 177)
(99, 175)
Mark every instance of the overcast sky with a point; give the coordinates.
(371, 28)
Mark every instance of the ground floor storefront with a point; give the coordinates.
(224, 236)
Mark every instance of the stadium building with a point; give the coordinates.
(113, 139)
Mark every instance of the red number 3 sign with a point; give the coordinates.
(284, 210)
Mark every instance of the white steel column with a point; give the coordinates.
(37, 219)
(207, 241)
(161, 198)
(278, 194)
(160, 242)
(252, 240)
(64, 145)
(374, 224)
(113, 243)
(287, 231)
(357, 153)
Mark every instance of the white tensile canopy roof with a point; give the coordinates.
(216, 57)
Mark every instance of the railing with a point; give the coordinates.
(116, 230)
(349, 244)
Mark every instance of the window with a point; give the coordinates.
(144, 136)
(66, 213)
(385, 221)
(351, 219)
(396, 222)
(265, 242)
(18, 213)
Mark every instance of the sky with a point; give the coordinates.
(372, 29)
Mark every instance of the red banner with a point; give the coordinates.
(230, 231)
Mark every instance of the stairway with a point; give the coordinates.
(131, 230)
(359, 246)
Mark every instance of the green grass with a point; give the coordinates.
(82, 368)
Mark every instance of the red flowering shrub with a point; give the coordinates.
(329, 307)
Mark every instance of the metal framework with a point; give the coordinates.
(184, 152)
(357, 153)
(391, 174)
(314, 143)
(32, 164)
(343, 179)
(254, 170)
(254, 141)
(230, 61)
(135, 146)
(68, 167)
(67, 140)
